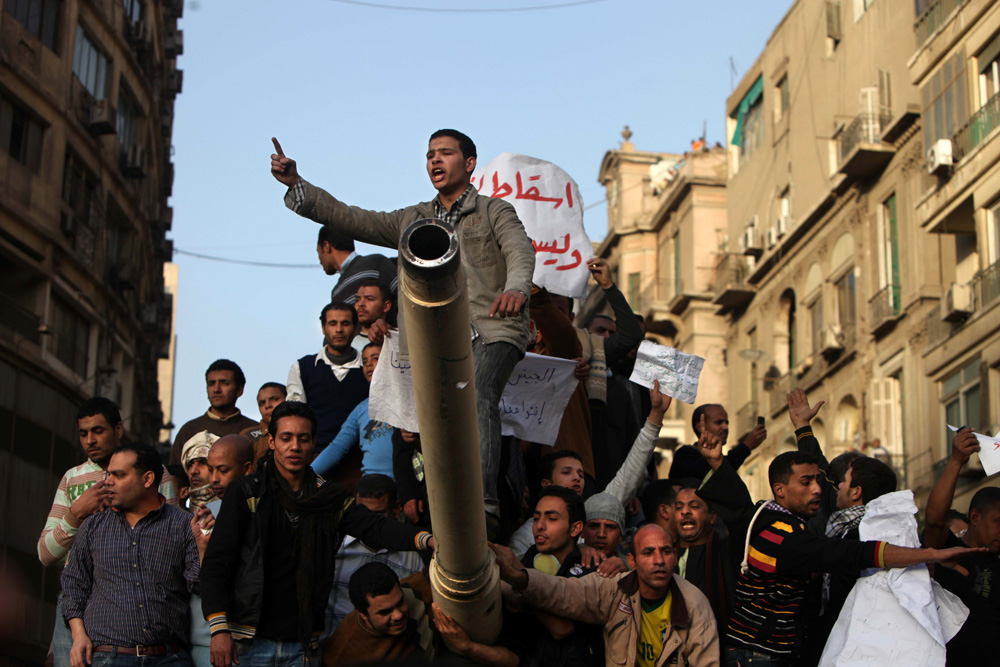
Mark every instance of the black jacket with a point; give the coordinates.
(233, 572)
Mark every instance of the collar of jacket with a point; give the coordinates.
(679, 615)
(426, 209)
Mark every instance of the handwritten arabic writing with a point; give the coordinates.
(548, 202)
(678, 372)
(531, 407)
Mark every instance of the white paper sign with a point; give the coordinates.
(989, 451)
(548, 202)
(531, 407)
(535, 397)
(677, 371)
(390, 397)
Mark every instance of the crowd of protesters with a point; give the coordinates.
(305, 537)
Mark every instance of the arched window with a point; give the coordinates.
(784, 334)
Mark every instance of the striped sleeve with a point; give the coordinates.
(58, 533)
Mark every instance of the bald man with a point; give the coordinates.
(230, 458)
(651, 609)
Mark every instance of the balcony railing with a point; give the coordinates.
(861, 149)
(973, 133)
(731, 287)
(746, 418)
(884, 307)
(986, 286)
(16, 319)
(933, 18)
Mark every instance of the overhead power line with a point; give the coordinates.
(470, 10)
(245, 262)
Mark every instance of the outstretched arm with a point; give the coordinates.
(941, 496)
(633, 470)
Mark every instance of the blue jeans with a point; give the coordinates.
(62, 638)
(268, 653)
(201, 656)
(493, 364)
(114, 659)
(739, 657)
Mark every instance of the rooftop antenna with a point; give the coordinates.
(732, 73)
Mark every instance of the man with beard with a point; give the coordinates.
(194, 458)
(373, 302)
(82, 492)
(331, 382)
(766, 625)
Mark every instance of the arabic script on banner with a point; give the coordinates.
(531, 407)
(678, 372)
(548, 202)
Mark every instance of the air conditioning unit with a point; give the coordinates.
(750, 242)
(173, 42)
(101, 119)
(939, 156)
(135, 162)
(772, 237)
(174, 82)
(832, 339)
(783, 224)
(957, 303)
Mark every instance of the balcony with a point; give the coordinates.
(986, 286)
(654, 299)
(973, 133)
(862, 152)
(884, 310)
(17, 320)
(935, 16)
(731, 287)
(746, 418)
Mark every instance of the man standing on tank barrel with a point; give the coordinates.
(497, 255)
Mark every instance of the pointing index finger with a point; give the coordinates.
(277, 147)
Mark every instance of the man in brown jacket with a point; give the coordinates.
(650, 616)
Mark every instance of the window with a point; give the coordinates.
(860, 7)
(749, 131)
(816, 322)
(39, 17)
(633, 289)
(90, 65)
(888, 258)
(989, 71)
(994, 232)
(960, 397)
(72, 336)
(133, 11)
(846, 300)
(20, 134)
(784, 99)
(127, 119)
(943, 101)
(677, 264)
(80, 195)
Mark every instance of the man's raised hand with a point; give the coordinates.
(659, 404)
(798, 408)
(282, 168)
(964, 443)
(709, 445)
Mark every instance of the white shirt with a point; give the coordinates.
(296, 392)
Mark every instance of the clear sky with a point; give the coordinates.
(353, 92)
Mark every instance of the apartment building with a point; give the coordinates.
(86, 111)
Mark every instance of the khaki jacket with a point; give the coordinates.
(496, 252)
(692, 641)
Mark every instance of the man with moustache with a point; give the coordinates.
(81, 493)
(374, 302)
(650, 615)
(194, 458)
(332, 382)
